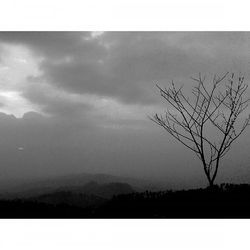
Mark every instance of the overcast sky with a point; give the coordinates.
(75, 102)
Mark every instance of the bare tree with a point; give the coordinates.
(216, 109)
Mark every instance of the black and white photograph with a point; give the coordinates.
(124, 125)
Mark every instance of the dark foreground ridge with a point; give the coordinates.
(224, 201)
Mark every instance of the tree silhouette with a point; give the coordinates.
(218, 107)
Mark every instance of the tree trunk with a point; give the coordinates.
(211, 183)
(207, 173)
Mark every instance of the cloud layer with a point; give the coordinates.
(123, 66)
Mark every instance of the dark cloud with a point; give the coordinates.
(55, 102)
(55, 45)
(126, 65)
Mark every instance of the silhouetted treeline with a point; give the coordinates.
(224, 201)
(31, 209)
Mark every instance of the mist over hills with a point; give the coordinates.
(81, 183)
(91, 194)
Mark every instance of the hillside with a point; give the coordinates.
(91, 194)
(28, 189)
(224, 201)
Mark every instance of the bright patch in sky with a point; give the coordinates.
(17, 63)
(13, 103)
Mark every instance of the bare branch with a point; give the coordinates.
(219, 106)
